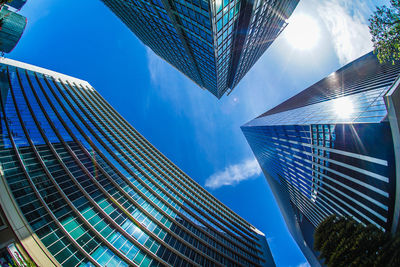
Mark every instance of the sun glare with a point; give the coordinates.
(343, 108)
(303, 32)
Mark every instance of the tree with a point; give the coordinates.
(342, 241)
(385, 30)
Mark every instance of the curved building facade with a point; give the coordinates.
(81, 187)
(334, 149)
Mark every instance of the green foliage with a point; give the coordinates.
(385, 30)
(342, 241)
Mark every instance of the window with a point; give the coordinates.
(3, 224)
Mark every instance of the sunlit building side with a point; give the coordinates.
(79, 186)
(214, 43)
(334, 149)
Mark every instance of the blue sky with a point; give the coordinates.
(189, 125)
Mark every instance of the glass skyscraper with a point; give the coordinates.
(12, 26)
(214, 43)
(17, 4)
(334, 149)
(81, 187)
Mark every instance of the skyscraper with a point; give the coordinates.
(334, 149)
(214, 43)
(12, 26)
(80, 186)
(17, 4)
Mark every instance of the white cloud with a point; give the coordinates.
(157, 67)
(304, 264)
(234, 174)
(346, 22)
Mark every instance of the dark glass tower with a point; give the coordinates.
(334, 149)
(80, 186)
(214, 43)
(12, 26)
(17, 4)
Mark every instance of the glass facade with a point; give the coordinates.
(214, 43)
(95, 192)
(330, 150)
(17, 4)
(12, 26)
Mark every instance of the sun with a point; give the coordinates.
(303, 32)
(343, 107)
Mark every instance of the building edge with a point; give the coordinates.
(32, 247)
(34, 68)
(290, 218)
(392, 102)
(269, 259)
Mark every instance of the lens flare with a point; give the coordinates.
(343, 108)
(302, 32)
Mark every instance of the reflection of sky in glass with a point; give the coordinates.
(357, 108)
(218, 4)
